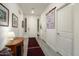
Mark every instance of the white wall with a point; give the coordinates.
(65, 29)
(13, 8)
(31, 25)
(50, 35)
(67, 25)
(76, 30)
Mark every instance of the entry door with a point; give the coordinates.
(32, 26)
(64, 29)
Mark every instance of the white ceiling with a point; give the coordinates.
(38, 8)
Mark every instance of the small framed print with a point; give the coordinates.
(25, 24)
(4, 15)
(14, 20)
(22, 24)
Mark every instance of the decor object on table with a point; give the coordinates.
(4, 15)
(10, 35)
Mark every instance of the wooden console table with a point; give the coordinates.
(16, 46)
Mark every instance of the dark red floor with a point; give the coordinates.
(34, 49)
(32, 43)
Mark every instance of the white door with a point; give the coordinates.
(64, 29)
(32, 26)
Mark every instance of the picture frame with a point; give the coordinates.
(4, 15)
(14, 20)
(25, 24)
(22, 24)
(50, 19)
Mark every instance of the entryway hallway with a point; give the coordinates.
(39, 29)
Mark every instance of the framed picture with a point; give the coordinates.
(51, 19)
(4, 15)
(22, 24)
(14, 20)
(25, 24)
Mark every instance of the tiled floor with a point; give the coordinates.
(46, 49)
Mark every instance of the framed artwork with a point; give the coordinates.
(22, 24)
(4, 15)
(51, 19)
(25, 24)
(14, 20)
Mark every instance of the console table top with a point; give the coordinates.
(16, 41)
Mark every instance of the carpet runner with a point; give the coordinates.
(34, 49)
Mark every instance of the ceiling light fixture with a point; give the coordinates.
(32, 11)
